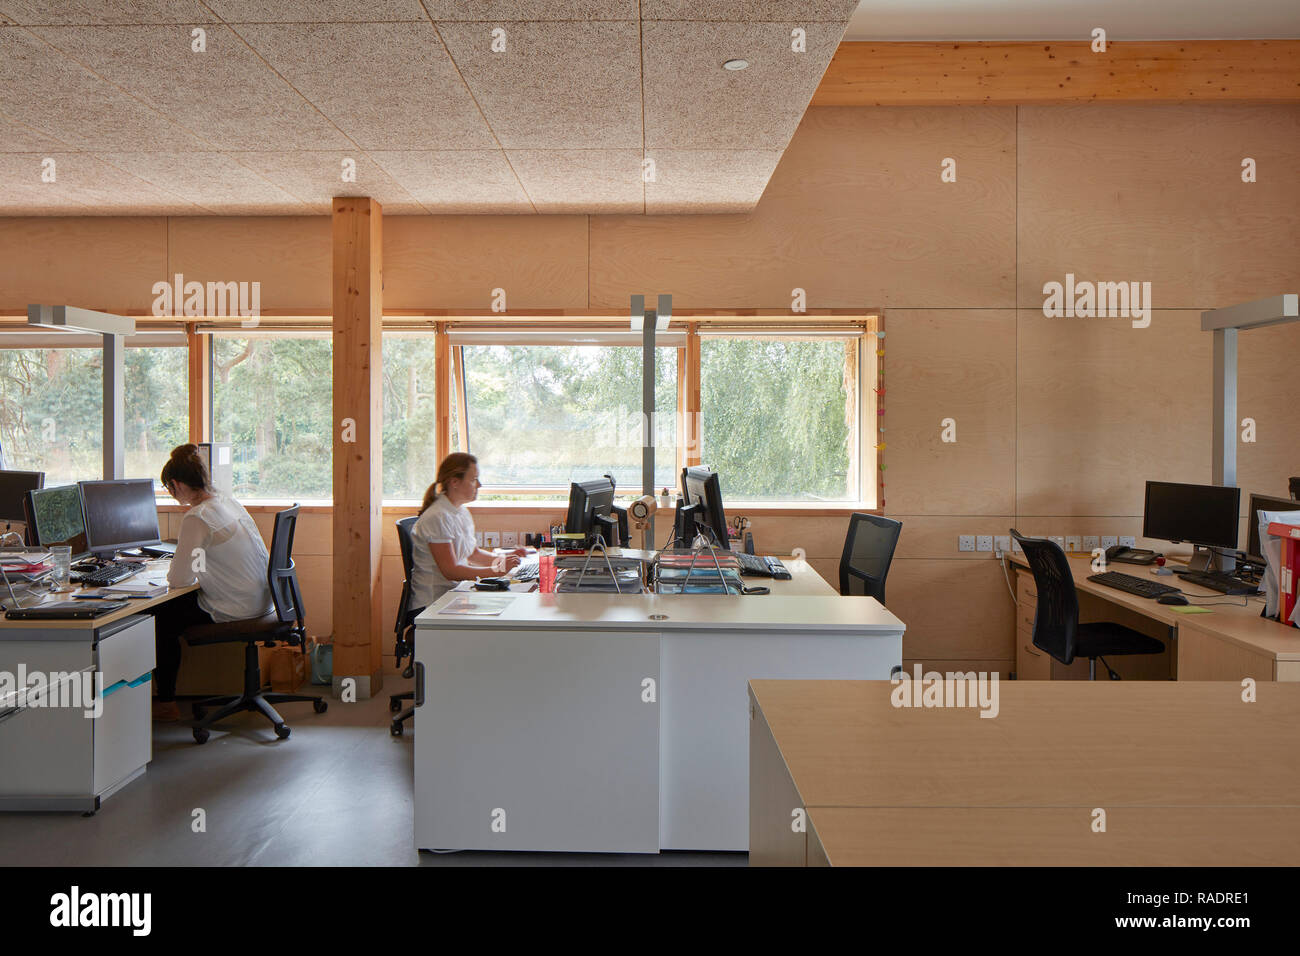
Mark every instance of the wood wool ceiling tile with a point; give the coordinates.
(456, 182)
(103, 12)
(594, 181)
(708, 181)
(315, 178)
(749, 10)
(82, 179)
(214, 181)
(534, 10)
(317, 11)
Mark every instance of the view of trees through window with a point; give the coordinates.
(549, 415)
(52, 402)
(779, 417)
(410, 414)
(272, 400)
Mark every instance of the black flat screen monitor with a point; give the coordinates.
(57, 519)
(1260, 503)
(119, 514)
(1204, 515)
(14, 486)
(588, 502)
(701, 488)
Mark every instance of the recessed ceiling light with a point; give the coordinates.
(735, 64)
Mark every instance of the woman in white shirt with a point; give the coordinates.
(445, 549)
(219, 547)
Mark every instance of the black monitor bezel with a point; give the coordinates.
(1252, 526)
(109, 547)
(581, 511)
(39, 477)
(714, 515)
(1236, 512)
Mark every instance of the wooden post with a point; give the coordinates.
(358, 449)
(200, 350)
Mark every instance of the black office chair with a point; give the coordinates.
(404, 628)
(285, 625)
(868, 552)
(1056, 623)
(1294, 484)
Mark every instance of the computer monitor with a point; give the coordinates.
(56, 518)
(14, 486)
(702, 492)
(1260, 503)
(590, 506)
(1202, 515)
(119, 514)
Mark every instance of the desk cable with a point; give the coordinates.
(1006, 577)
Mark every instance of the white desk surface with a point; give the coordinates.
(805, 603)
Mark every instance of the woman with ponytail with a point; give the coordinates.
(445, 545)
(220, 548)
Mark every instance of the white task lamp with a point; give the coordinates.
(114, 329)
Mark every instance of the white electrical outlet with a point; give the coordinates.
(1109, 541)
(984, 542)
(478, 536)
(965, 542)
(509, 539)
(1073, 542)
(1001, 544)
(1057, 538)
(1128, 541)
(491, 539)
(1090, 541)
(1015, 545)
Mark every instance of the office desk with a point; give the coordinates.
(1229, 643)
(57, 757)
(608, 723)
(1187, 774)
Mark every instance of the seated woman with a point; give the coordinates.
(445, 549)
(218, 546)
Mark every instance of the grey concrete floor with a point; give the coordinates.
(337, 792)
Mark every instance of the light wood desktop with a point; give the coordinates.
(1229, 643)
(1187, 774)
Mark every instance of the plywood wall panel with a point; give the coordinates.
(954, 610)
(930, 536)
(288, 255)
(1267, 392)
(849, 216)
(454, 262)
(1103, 407)
(958, 364)
(1154, 193)
(105, 264)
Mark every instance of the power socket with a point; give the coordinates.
(491, 539)
(1128, 541)
(1001, 544)
(1073, 542)
(509, 539)
(478, 538)
(1090, 541)
(984, 542)
(1109, 540)
(1057, 538)
(965, 542)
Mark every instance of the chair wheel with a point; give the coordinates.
(396, 728)
(319, 706)
(200, 735)
(282, 731)
(409, 671)
(394, 704)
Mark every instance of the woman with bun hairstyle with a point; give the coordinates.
(445, 548)
(220, 548)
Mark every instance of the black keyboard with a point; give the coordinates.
(1223, 583)
(1142, 587)
(764, 567)
(109, 573)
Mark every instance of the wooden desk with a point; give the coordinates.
(1229, 643)
(1187, 773)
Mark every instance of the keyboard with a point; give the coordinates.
(109, 573)
(1216, 581)
(765, 567)
(526, 570)
(1142, 587)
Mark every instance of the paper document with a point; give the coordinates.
(477, 603)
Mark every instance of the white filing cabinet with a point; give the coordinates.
(57, 757)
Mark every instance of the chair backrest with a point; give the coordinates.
(1056, 623)
(280, 572)
(868, 552)
(1295, 488)
(404, 526)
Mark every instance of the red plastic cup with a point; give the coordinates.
(546, 573)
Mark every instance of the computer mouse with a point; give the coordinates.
(1171, 599)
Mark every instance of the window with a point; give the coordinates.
(272, 400)
(52, 410)
(780, 416)
(410, 414)
(539, 416)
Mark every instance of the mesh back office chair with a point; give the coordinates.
(404, 628)
(284, 625)
(868, 551)
(1056, 624)
(1295, 488)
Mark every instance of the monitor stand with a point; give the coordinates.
(1207, 559)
